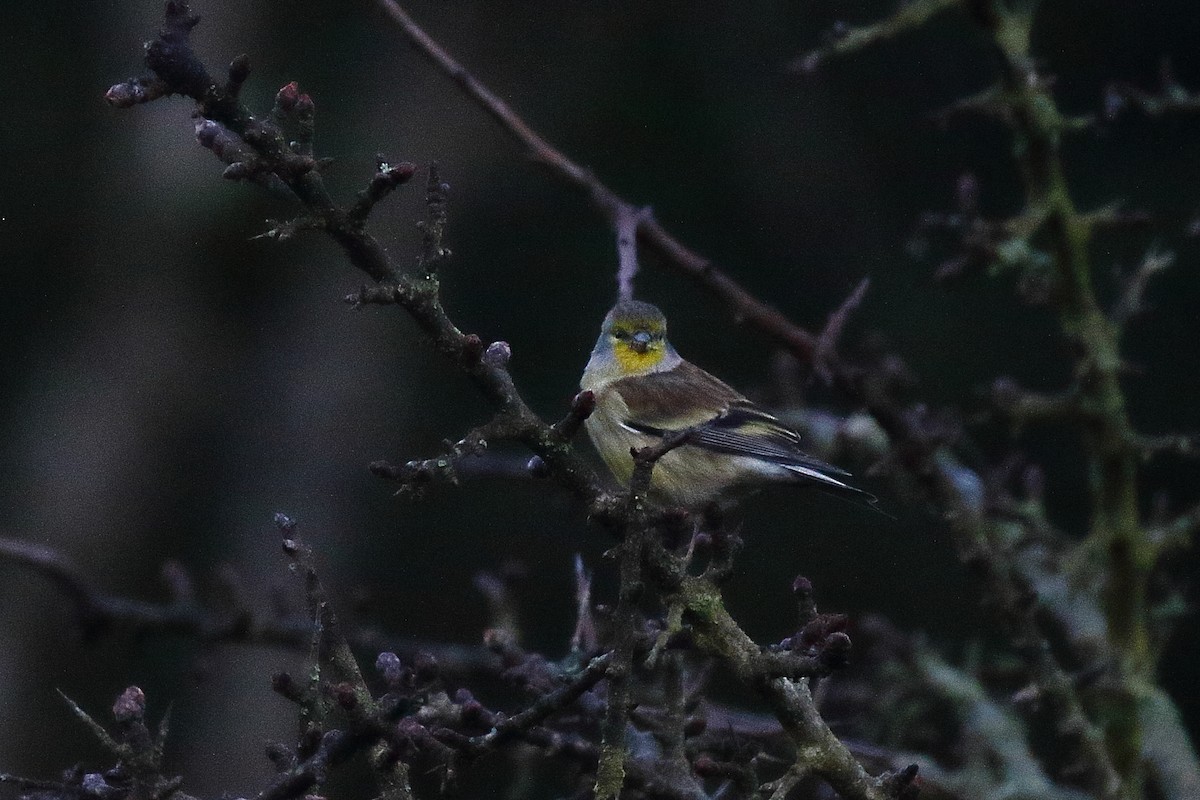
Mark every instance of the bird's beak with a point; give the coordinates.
(640, 342)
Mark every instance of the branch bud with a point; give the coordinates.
(390, 668)
(344, 696)
(239, 70)
(239, 171)
(836, 652)
(472, 349)
(425, 667)
(536, 466)
(130, 706)
(497, 355)
(583, 405)
(134, 91)
(284, 684)
(286, 98)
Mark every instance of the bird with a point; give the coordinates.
(644, 390)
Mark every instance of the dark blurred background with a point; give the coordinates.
(168, 383)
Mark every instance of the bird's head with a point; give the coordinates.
(634, 335)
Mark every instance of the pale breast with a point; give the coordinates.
(610, 436)
(687, 476)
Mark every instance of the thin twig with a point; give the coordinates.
(99, 611)
(746, 308)
(227, 120)
(627, 222)
(549, 704)
(827, 342)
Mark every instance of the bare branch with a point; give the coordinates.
(746, 309)
(1130, 303)
(1183, 445)
(845, 40)
(826, 349)
(98, 612)
(1171, 98)
(627, 222)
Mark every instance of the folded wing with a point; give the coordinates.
(723, 420)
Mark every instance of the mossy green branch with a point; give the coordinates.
(907, 16)
(610, 771)
(1117, 542)
(817, 749)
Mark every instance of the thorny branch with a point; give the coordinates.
(632, 553)
(847, 40)
(1024, 102)
(1120, 551)
(1172, 97)
(746, 308)
(222, 618)
(413, 721)
(257, 150)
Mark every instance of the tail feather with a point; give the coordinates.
(831, 485)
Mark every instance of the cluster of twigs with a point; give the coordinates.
(626, 707)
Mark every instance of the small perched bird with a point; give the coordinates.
(645, 390)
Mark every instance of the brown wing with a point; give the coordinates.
(729, 422)
(655, 400)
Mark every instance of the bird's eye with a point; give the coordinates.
(622, 334)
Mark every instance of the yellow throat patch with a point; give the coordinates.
(632, 362)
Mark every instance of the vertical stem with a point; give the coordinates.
(610, 772)
(1116, 536)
